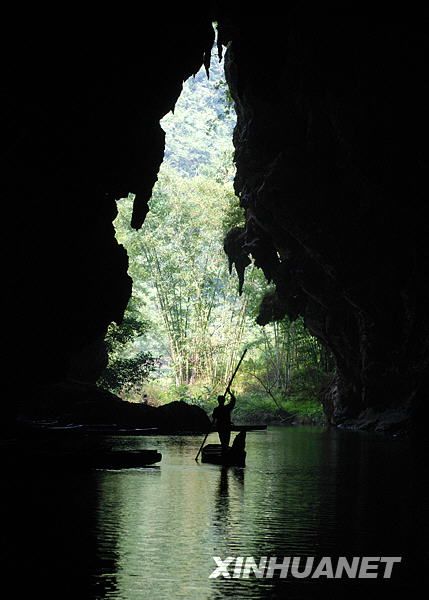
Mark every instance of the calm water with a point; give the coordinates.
(152, 533)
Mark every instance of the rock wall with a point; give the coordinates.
(331, 153)
(82, 99)
(331, 159)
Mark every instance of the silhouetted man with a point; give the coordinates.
(222, 419)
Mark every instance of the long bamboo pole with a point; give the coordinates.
(227, 388)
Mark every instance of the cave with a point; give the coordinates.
(330, 156)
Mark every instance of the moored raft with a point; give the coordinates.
(125, 459)
(110, 459)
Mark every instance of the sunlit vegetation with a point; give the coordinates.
(186, 324)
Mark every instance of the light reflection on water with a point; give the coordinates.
(302, 493)
(152, 533)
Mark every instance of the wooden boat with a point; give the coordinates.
(248, 427)
(125, 459)
(115, 459)
(115, 430)
(212, 453)
(234, 456)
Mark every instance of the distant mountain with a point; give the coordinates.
(199, 133)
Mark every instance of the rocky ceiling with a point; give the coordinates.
(331, 153)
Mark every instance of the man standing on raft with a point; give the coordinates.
(222, 419)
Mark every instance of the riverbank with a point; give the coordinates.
(292, 412)
(300, 407)
(85, 404)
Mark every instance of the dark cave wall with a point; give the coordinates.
(82, 100)
(331, 153)
(331, 170)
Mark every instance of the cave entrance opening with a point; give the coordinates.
(185, 303)
(187, 322)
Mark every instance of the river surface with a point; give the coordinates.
(153, 532)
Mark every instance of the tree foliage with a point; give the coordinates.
(128, 368)
(179, 256)
(186, 307)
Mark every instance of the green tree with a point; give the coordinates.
(128, 368)
(179, 255)
(185, 302)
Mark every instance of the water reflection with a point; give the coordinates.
(152, 533)
(48, 543)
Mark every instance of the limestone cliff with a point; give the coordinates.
(331, 153)
(331, 157)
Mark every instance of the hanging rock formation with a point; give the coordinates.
(331, 155)
(82, 100)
